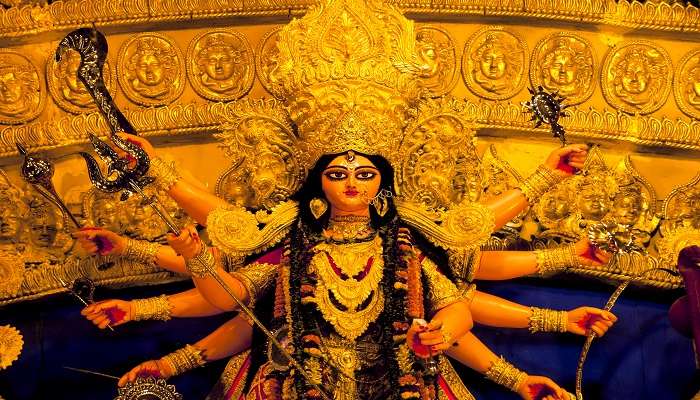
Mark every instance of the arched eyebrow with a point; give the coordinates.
(356, 168)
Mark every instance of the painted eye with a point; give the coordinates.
(366, 175)
(336, 175)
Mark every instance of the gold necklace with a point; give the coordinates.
(348, 227)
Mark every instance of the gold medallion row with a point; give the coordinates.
(636, 77)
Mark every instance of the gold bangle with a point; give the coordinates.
(537, 184)
(201, 264)
(184, 359)
(505, 374)
(165, 173)
(141, 250)
(151, 308)
(556, 259)
(546, 320)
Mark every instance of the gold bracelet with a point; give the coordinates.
(185, 359)
(546, 320)
(165, 173)
(151, 308)
(201, 264)
(556, 259)
(537, 184)
(141, 250)
(505, 374)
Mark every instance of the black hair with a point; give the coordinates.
(312, 189)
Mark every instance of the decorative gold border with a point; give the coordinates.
(260, 59)
(195, 83)
(466, 75)
(535, 81)
(678, 88)
(42, 92)
(121, 74)
(612, 99)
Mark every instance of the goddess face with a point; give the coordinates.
(628, 207)
(493, 63)
(149, 70)
(348, 182)
(218, 63)
(43, 230)
(636, 77)
(11, 88)
(563, 68)
(593, 204)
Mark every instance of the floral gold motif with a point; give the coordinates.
(22, 93)
(687, 84)
(220, 65)
(437, 50)
(494, 63)
(151, 69)
(636, 77)
(681, 208)
(267, 61)
(67, 90)
(11, 344)
(564, 63)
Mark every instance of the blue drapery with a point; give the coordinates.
(642, 357)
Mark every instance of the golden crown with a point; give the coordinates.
(350, 75)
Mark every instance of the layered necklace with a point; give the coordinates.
(348, 229)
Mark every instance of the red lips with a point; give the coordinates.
(351, 193)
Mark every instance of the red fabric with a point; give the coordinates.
(238, 379)
(445, 387)
(115, 314)
(273, 256)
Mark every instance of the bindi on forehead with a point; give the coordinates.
(351, 161)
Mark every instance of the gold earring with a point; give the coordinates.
(381, 204)
(318, 207)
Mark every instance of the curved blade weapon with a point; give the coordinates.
(128, 175)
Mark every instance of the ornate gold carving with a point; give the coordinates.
(439, 166)
(102, 210)
(11, 270)
(671, 244)
(22, 92)
(257, 278)
(564, 63)
(11, 344)
(266, 153)
(441, 291)
(463, 226)
(267, 61)
(151, 69)
(686, 86)
(494, 63)
(438, 53)
(681, 208)
(220, 65)
(636, 77)
(67, 90)
(236, 231)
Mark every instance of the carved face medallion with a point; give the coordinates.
(66, 88)
(220, 65)
(564, 63)
(267, 61)
(151, 69)
(493, 64)
(438, 58)
(636, 77)
(687, 84)
(21, 91)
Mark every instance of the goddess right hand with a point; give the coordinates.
(541, 388)
(109, 312)
(139, 141)
(100, 241)
(188, 244)
(154, 368)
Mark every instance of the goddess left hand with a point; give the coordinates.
(567, 160)
(428, 340)
(188, 244)
(589, 254)
(582, 320)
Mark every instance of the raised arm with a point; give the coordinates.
(115, 312)
(231, 338)
(560, 164)
(502, 265)
(470, 351)
(495, 311)
(189, 194)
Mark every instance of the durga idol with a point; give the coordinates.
(368, 289)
